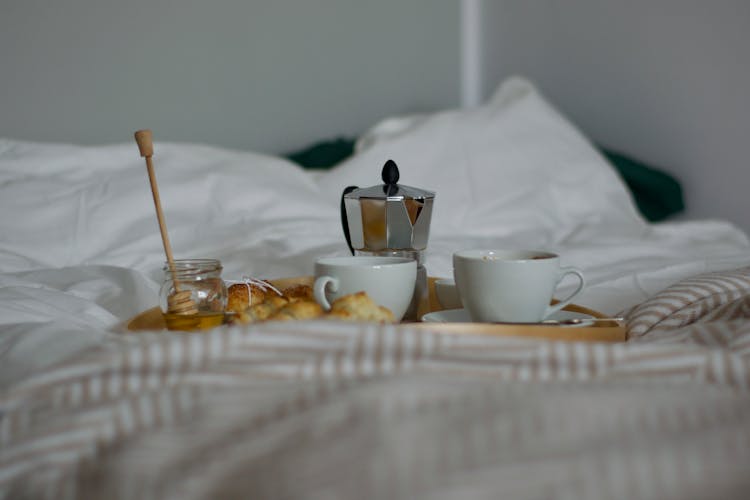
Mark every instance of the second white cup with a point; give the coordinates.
(389, 281)
(510, 286)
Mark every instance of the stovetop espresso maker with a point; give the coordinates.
(390, 220)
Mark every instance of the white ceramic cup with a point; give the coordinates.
(514, 286)
(389, 281)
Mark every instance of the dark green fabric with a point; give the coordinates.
(657, 194)
(325, 154)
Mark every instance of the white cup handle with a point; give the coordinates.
(319, 290)
(564, 271)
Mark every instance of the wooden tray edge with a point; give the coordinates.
(151, 319)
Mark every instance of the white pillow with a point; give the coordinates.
(67, 205)
(513, 166)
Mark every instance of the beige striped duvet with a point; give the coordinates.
(331, 410)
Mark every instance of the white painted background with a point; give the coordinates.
(664, 80)
(667, 81)
(266, 75)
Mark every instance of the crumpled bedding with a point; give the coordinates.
(331, 410)
(341, 410)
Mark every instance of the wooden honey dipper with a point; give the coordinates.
(180, 302)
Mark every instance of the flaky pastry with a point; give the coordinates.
(261, 311)
(240, 296)
(299, 310)
(251, 292)
(297, 303)
(298, 292)
(359, 307)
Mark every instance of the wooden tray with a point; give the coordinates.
(605, 331)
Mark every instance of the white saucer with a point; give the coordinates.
(462, 316)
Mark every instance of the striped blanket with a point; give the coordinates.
(333, 410)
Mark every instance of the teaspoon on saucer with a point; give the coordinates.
(579, 321)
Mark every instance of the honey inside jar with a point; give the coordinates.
(193, 322)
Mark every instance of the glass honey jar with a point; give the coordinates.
(193, 295)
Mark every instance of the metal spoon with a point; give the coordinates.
(580, 321)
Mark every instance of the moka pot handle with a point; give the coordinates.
(344, 220)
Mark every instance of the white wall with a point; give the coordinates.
(267, 75)
(665, 80)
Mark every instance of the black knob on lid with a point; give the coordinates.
(390, 177)
(390, 172)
